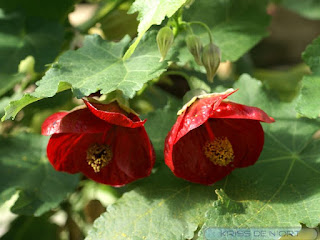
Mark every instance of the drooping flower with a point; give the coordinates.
(212, 137)
(102, 141)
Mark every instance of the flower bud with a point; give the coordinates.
(165, 39)
(211, 60)
(194, 45)
(27, 65)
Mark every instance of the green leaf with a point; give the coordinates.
(236, 25)
(307, 8)
(152, 97)
(24, 168)
(151, 13)
(98, 65)
(161, 207)
(8, 81)
(285, 83)
(25, 227)
(22, 36)
(16, 105)
(118, 24)
(280, 190)
(308, 104)
(164, 120)
(196, 83)
(51, 10)
(5, 101)
(308, 101)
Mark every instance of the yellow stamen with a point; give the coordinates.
(98, 156)
(219, 151)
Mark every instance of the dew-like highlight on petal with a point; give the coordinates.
(98, 156)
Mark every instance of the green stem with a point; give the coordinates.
(189, 28)
(72, 227)
(206, 27)
(176, 21)
(186, 26)
(103, 11)
(173, 24)
(28, 79)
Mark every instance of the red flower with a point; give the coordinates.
(103, 142)
(212, 137)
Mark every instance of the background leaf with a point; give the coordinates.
(172, 210)
(308, 102)
(307, 8)
(25, 168)
(236, 25)
(24, 34)
(8, 81)
(150, 13)
(164, 119)
(25, 227)
(284, 83)
(21, 36)
(51, 10)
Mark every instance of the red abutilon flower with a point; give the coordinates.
(102, 141)
(212, 137)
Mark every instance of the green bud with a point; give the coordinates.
(165, 39)
(211, 60)
(194, 45)
(27, 65)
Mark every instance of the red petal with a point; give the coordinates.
(186, 158)
(77, 121)
(52, 124)
(239, 111)
(66, 151)
(114, 115)
(133, 156)
(245, 136)
(213, 107)
(198, 113)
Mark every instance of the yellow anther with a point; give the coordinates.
(98, 156)
(219, 151)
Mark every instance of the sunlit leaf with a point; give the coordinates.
(308, 102)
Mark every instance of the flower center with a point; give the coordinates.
(98, 156)
(219, 151)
